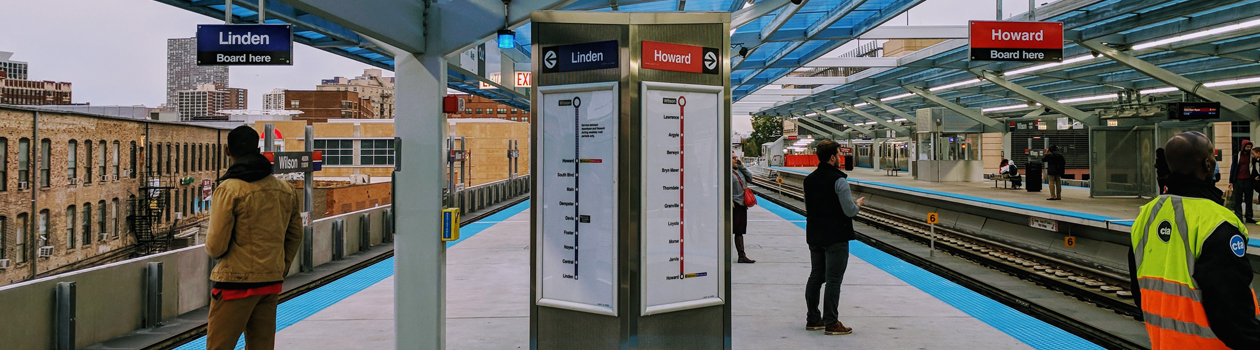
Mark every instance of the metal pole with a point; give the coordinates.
(262, 11)
(308, 204)
(450, 171)
(999, 10)
(227, 12)
(269, 137)
(1032, 10)
(932, 252)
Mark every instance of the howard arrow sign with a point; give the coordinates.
(579, 57)
(680, 58)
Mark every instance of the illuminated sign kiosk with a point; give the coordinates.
(630, 221)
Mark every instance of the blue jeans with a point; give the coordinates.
(827, 264)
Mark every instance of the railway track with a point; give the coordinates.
(1101, 288)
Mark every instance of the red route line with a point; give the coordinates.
(682, 156)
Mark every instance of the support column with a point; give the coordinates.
(419, 253)
(1240, 108)
(1069, 111)
(847, 123)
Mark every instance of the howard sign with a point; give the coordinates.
(1016, 41)
(245, 45)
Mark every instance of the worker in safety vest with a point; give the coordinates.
(1189, 269)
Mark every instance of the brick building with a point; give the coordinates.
(321, 106)
(366, 147)
(377, 90)
(68, 181)
(33, 92)
(481, 107)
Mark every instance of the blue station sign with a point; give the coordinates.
(245, 45)
(579, 57)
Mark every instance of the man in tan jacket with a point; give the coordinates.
(255, 232)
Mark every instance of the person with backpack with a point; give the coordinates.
(742, 199)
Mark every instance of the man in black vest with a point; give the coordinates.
(830, 209)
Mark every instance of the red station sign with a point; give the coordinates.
(681, 58)
(1016, 41)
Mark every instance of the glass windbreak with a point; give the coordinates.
(959, 147)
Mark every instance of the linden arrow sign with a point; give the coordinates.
(245, 45)
(1016, 41)
(579, 57)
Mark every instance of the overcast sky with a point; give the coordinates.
(114, 51)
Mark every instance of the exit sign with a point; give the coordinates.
(524, 79)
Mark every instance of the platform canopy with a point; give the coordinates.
(1121, 58)
(779, 35)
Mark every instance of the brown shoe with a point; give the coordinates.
(814, 326)
(838, 329)
(745, 260)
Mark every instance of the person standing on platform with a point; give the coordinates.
(1161, 170)
(255, 232)
(830, 209)
(1240, 182)
(740, 178)
(1188, 268)
(1055, 165)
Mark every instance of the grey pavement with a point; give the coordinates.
(488, 301)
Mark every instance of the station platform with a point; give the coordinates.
(1112, 213)
(890, 303)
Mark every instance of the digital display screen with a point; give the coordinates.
(1194, 110)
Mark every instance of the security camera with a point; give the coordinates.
(1047, 110)
(743, 52)
(796, 2)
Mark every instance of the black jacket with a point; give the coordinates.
(1055, 164)
(825, 221)
(1223, 278)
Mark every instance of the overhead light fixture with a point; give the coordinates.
(507, 37)
(896, 97)
(1200, 34)
(957, 84)
(860, 105)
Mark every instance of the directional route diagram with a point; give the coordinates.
(577, 226)
(683, 189)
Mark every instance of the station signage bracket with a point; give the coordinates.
(244, 45)
(1009, 41)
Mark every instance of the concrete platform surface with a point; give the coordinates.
(488, 301)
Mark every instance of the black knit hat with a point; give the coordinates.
(1054, 148)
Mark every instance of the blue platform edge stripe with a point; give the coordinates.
(1067, 213)
(297, 309)
(1022, 327)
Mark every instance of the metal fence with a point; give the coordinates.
(78, 309)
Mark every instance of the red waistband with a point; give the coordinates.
(233, 294)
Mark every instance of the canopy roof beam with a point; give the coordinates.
(1069, 111)
(876, 119)
(1242, 109)
(814, 129)
(847, 123)
(990, 124)
(890, 109)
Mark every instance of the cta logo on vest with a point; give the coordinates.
(1016, 41)
(1238, 245)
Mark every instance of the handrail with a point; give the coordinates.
(109, 301)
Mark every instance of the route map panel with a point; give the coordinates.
(683, 189)
(578, 217)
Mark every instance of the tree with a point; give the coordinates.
(751, 149)
(765, 129)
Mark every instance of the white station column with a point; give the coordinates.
(419, 253)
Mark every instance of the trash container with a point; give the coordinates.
(1032, 176)
(848, 163)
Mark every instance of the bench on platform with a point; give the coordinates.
(1005, 179)
(892, 171)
